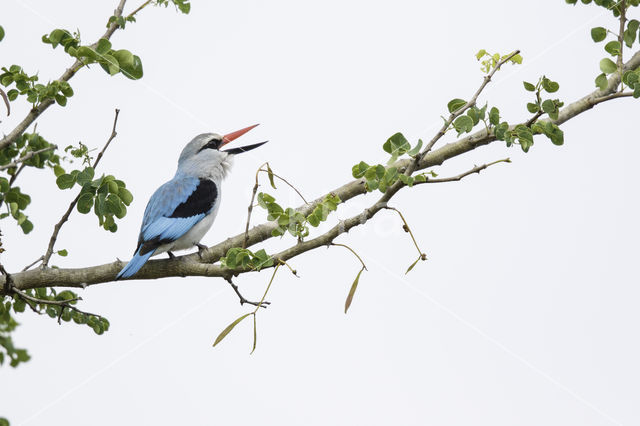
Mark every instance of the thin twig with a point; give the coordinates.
(6, 101)
(250, 208)
(407, 229)
(476, 169)
(533, 119)
(352, 251)
(15, 175)
(27, 156)
(465, 107)
(65, 216)
(268, 287)
(293, 271)
(138, 9)
(26, 268)
(243, 300)
(285, 181)
(612, 96)
(62, 303)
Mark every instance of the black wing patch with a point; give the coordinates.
(200, 201)
(147, 246)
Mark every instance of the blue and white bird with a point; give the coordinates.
(182, 210)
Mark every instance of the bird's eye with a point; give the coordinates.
(212, 144)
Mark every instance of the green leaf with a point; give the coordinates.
(61, 100)
(396, 144)
(352, 291)
(598, 34)
(494, 116)
(133, 72)
(270, 175)
(463, 124)
(416, 149)
(548, 106)
(607, 66)
(630, 33)
(85, 176)
(62, 252)
(58, 170)
(65, 181)
(26, 226)
(412, 265)
(87, 52)
(230, 327)
(110, 64)
(601, 81)
(103, 46)
(549, 86)
(124, 57)
(480, 54)
(455, 104)
(1, 33)
(85, 202)
(533, 108)
(357, 171)
(125, 195)
(613, 48)
(529, 87)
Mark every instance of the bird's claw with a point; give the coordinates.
(201, 248)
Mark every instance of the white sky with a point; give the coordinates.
(526, 312)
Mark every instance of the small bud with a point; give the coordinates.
(423, 256)
(405, 228)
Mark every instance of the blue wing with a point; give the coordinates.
(172, 211)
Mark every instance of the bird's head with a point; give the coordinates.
(204, 157)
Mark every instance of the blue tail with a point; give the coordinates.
(134, 265)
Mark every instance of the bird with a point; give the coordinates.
(180, 212)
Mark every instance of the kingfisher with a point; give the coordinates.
(182, 210)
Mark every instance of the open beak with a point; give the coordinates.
(235, 135)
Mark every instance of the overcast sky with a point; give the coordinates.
(525, 314)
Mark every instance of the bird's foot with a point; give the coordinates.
(171, 255)
(262, 304)
(201, 248)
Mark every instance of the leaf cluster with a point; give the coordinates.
(110, 60)
(547, 106)
(36, 93)
(183, 6)
(8, 324)
(614, 49)
(15, 199)
(292, 221)
(64, 313)
(613, 5)
(490, 60)
(108, 196)
(242, 258)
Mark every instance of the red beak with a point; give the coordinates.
(235, 135)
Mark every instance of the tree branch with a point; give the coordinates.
(66, 76)
(192, 265)
(27, 156)
(623, 20)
